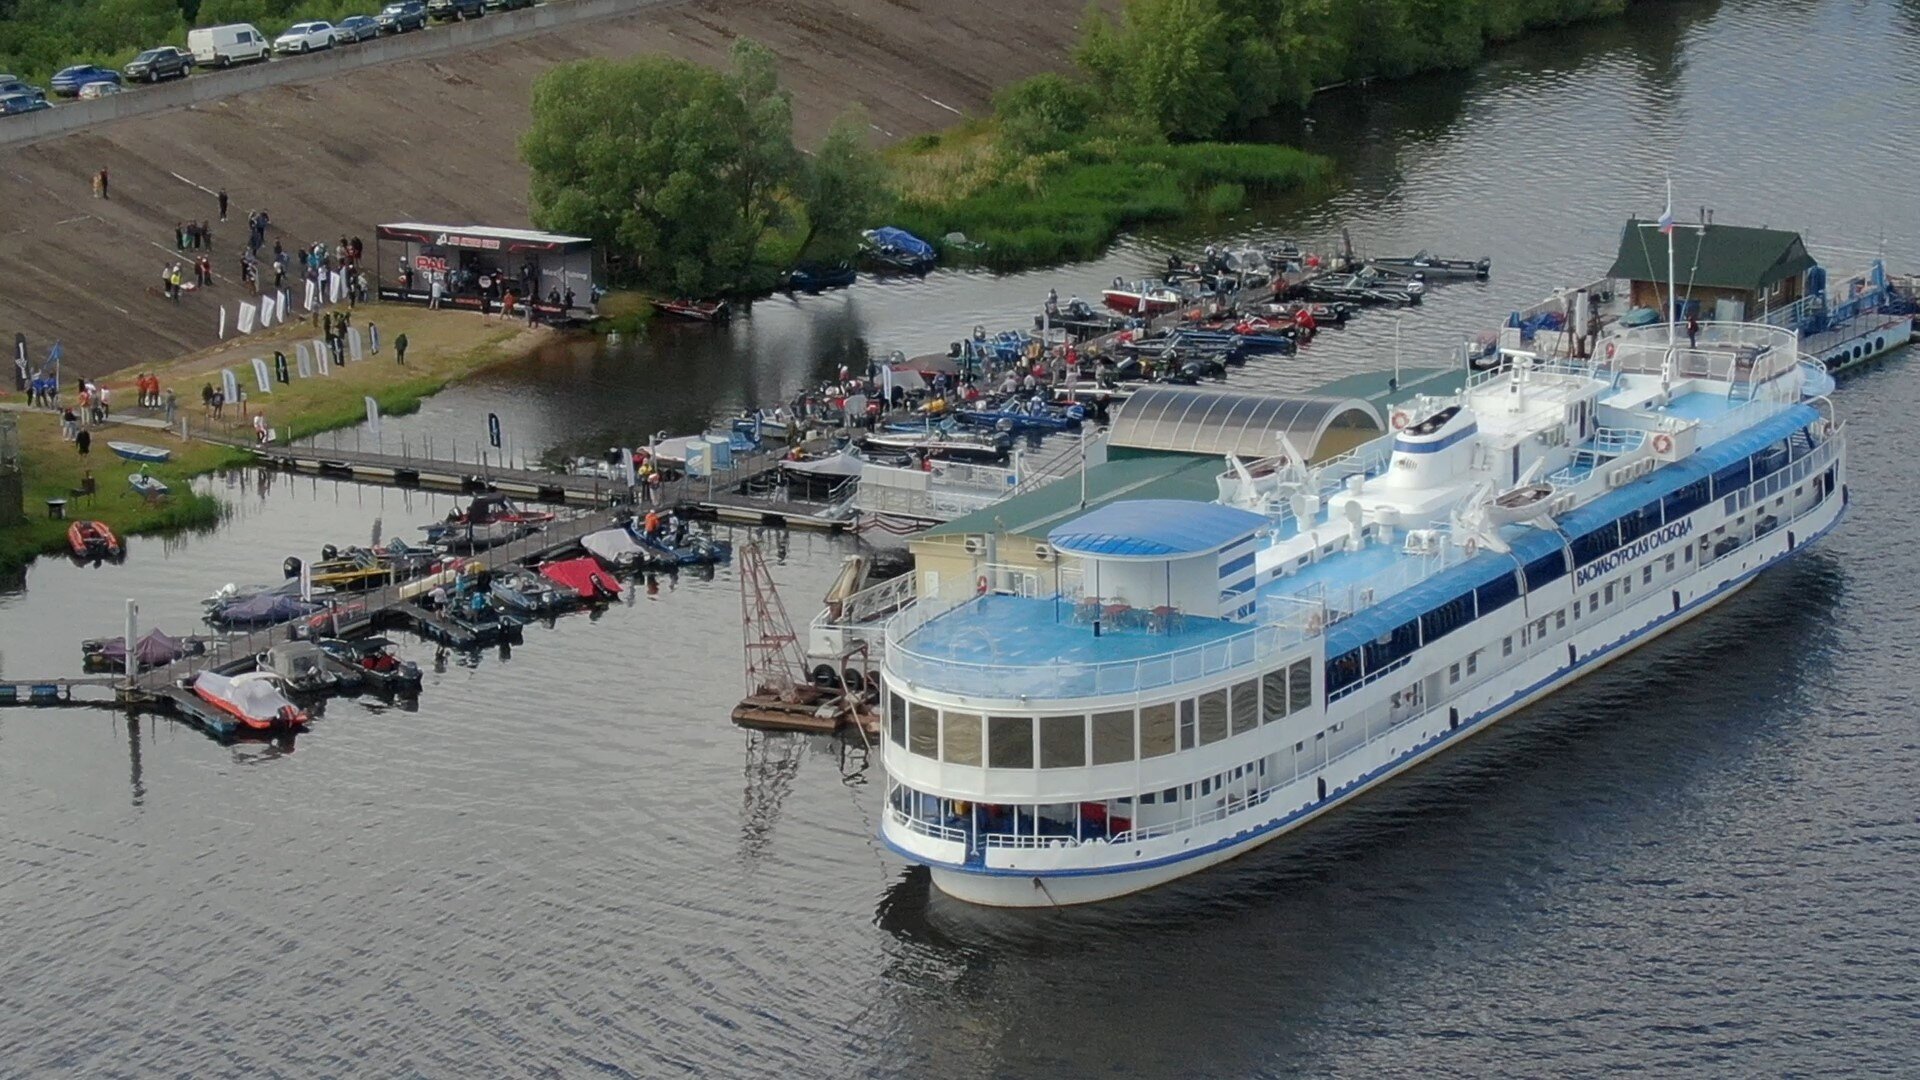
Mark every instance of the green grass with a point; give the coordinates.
(1068, 205)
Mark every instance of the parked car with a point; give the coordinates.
(100, 89)
(165, 62)
(68, 81)
(402, 17)
(508, 5)
(219, 46)
(15, 86)
(21, 103)
(305, 37)
(456, 9)
(355, 28)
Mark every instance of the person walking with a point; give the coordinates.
(373, 337)
(172, 401)
(400, 349)
(222, 196)
(1693, 331)
(175, 278)
(104, 399)
(97, 189)
(103, 185)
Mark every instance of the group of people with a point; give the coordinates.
(192, 235)
(215, 401)
(148, 387)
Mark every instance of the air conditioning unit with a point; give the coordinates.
(1043, 552)
(976, 545)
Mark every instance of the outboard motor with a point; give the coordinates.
(291, 567)
(328, 553)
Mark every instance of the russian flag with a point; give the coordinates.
(1666, 220)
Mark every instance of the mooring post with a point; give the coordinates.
(133, 621)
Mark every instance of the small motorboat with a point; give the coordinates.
(1431, 267)
(897, 249)
(973, 448)
(813, 277)
(155, 649)
(253, 699)
(822, 477)
(301, 667)
(619, 549)
(1141, 298)
(373, 657)
(582, 577)
(357, 571)
(261, 609)
(713, 311)
(1024, 417)
(680, 548)
(527, 593)
(134, 451)
(488, 520)
(150, 486)
(92, 540)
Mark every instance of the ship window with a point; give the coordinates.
(1156, 729)
(1401, 641)
(1626, 585)
(1453, 674)
(1299, 685)
(1609, 592)
(1547, 568)
(1246, 707)
(1685, 501)
(1473, 662)
(1213, 716)
(1112, 737)
(1637, 523)
(1646, 574)
(1733, 478)
(1273, 701)
(1444, 619)
(1496, 594)
(1687, 555)
(1506, 646)
(1669, 564)
(1171, 795)
(1063, 742)
(1593, 602)
(923, 730)
(1188, 719)
(1145, 800)
(1206, 786)
(1560, 620)
(897, 719)
(1010, 742)
(1343, 671)
(960, 738)
(1592, 545)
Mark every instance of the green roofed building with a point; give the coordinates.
(1731, 272)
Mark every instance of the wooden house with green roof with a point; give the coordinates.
(1727, 272)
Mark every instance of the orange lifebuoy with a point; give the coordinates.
(981, 584)
(1400, 420)
(1662, 443)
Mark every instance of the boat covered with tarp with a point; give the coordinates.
(584, 576)
(252, 699)
(898, 249)
(262, 609)
(155, 648)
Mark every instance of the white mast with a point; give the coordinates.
(1673, 280)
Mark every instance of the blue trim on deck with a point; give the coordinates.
(1365, 780)
(1403, 445)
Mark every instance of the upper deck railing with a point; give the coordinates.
(1280, 626)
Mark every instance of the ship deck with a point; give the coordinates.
(1018, 631)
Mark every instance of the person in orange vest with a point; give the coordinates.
(653, 522)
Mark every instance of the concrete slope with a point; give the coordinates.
(433, 139)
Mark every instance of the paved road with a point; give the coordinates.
(213, 85)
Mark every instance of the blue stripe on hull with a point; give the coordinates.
(1468, 726)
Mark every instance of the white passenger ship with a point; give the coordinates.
(1197, 679)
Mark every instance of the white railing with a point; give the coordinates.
(1053, 679)
(925, 827)
(870, 604)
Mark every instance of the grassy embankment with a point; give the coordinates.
(441, 347)
(1031, 209)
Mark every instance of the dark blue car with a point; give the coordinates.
(68, 81)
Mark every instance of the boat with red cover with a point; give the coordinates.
(584, 575)
(253, 699)
(1140, 298)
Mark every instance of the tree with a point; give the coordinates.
(845, 187)
(679, 168)
(1044, 112)
(1167, 63)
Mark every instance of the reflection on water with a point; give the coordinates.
(566, 861)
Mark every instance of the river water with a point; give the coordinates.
(566, 862)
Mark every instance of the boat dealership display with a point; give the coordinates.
(1186, 681)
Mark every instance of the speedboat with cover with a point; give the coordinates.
(253, 700)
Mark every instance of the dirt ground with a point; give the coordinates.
(433, 141)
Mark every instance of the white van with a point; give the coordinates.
(219, 46)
